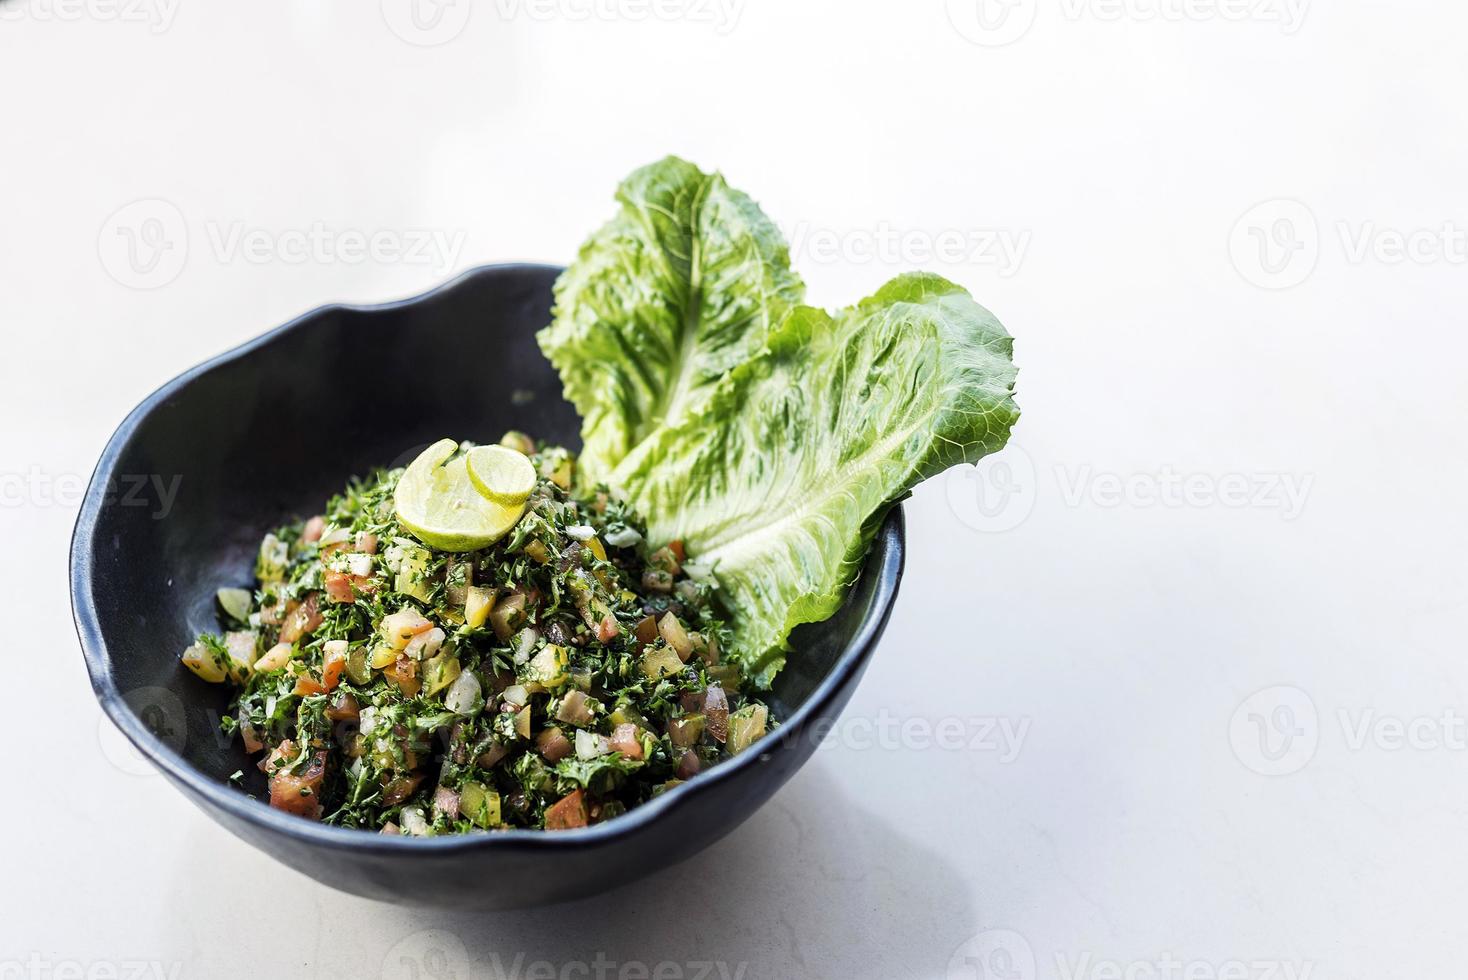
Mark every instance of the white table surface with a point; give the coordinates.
(1175, 686)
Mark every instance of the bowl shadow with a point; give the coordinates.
(814, 885)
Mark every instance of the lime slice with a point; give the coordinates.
(436, 501)
(503, 475)
(235, 603)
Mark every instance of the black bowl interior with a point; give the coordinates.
(201, 470)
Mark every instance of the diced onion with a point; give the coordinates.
(463, 694)
(697, 572)
(337, 535)
(414, 822)
(590, 745)
(624, 537)
(525, 642)
(425, 645)
(581, 532)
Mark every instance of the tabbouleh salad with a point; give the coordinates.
(552, 678)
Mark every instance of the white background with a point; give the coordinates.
(1220, 486)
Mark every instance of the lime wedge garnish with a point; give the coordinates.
(236, 603)
(436, 501)
(501, 474)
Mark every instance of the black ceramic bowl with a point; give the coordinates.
(202, 468)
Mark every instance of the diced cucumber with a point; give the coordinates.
(480, 804)
(412, 574)
(625, 714)
(725, 675)
(439, 673)
(382, 656)
(660, 661)
(746, 726)
(477, 604)
(549, 667)
(357, 669)
(686, 731)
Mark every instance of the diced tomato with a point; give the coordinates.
(607, 630)
(569, 813)
(339, 587)
(299, 794)
(676, 547)
(492, 755)
(400, 627)
(666, 560)
(307, 685)
(400, 789)
(343, 706)
(315, 527)
(446, 802)
(625, 741)
(331, 669)
(553, 745)
(716, 711)
(366, 543)
(646, 630)
(273, 615)
(302, 620)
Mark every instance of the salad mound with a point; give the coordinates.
(465, 645)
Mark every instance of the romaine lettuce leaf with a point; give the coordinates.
(770, 437)
(684, 283)
(780, 483)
